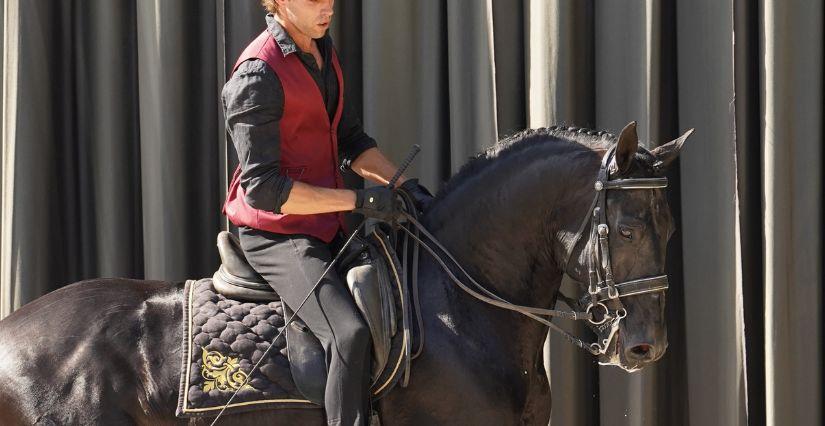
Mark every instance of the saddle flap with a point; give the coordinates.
(369, 284)
(378, 293)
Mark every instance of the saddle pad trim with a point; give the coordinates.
(392, 376)
(190, 285)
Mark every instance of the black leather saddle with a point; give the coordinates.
(374, 276)
(235, 277)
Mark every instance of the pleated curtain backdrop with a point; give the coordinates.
(115, 161)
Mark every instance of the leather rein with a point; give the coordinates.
(601, 288)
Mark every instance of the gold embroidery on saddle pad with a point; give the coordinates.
(222, 372)
(225, 371)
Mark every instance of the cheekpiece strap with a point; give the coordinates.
(635, 287)
(636, 183)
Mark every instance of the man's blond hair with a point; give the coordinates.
(271, 6)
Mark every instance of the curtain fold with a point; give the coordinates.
(115, 158)
(8, 127)
(749, 200)
(35, 113)
(791, 94)
(178, 122)
(627, 86)
(713, 327)
(471, 79)
(509, 45)
(560, 91)
(428, 80)
(405, 67)
(110, 232)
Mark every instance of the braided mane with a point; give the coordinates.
(563, 138)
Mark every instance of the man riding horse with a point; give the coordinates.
(497, 241)
(288, 119)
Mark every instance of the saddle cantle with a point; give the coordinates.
(236, 278)
(373, 276)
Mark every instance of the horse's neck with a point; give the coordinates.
(507, 224)
(501, 225)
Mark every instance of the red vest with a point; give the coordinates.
(309, 145)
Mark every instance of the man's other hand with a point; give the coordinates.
(377, 202)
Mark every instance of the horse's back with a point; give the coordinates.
(93, 344)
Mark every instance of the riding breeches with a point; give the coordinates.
(292, 264)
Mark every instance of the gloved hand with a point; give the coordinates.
(418, 192)
(378, 202)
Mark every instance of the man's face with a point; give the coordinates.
(310, 17)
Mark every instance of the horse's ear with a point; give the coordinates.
(665, 154)
(626, 147)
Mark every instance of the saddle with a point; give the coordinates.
(373, 275)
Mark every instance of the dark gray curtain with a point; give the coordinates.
(114, 158)
(779, 150)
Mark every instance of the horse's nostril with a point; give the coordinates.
(641, 351)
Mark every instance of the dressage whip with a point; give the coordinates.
(407, 161)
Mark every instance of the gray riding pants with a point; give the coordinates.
(292, 264)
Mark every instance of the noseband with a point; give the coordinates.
(602, 289)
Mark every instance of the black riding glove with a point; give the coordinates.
(377, 202)
(418, 192)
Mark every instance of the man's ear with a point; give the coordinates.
(665, 154)
(626, 147)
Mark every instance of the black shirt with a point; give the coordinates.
(253, 103)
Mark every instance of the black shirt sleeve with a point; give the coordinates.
(352, 140)
(253, 100)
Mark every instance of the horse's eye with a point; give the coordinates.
(626, 232)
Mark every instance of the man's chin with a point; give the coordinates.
(320, 31)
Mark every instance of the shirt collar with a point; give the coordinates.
(282, 37)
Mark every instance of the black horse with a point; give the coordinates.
(107, 351)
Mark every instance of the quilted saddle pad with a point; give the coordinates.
(222, 340)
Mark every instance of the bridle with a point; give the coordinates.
(601, 289)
